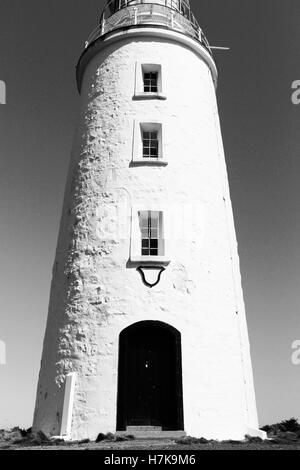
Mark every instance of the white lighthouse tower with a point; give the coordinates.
(146, 329)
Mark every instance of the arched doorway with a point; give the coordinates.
(150, 377)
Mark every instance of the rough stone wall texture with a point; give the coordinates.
(95, 292)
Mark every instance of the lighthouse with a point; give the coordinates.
(146, 330)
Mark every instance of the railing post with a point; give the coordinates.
(135, 15)
(190, 14)
(199, 35)
(172, 19)
(103, 25)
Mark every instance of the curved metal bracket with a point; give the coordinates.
(150, 275)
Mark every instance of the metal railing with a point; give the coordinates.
(182, 6)
(171, 14)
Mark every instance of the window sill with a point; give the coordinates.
(150, 260)
(149, 96)
(148, 161)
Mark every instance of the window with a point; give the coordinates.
(150, 82)
(116, 5)
(150, 144)
(151, 233)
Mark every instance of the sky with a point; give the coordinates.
(40, 43)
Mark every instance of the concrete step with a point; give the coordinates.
(151, 432)
(149, 429)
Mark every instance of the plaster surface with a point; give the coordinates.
(96, 292)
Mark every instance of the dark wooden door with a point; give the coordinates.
(148, 379)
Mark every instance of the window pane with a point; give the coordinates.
(145, 243)
(150, 82)
(143, 216)
(154, 233)
(154, 219)
(154, 244)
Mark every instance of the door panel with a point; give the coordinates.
(150, 389)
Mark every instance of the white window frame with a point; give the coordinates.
(136, 237)
(139, 92)
(137, 151)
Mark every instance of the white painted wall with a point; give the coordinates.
(96, 294)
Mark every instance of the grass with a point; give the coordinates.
(282, 436)
(153, 445)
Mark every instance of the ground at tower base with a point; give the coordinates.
(282, 436)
